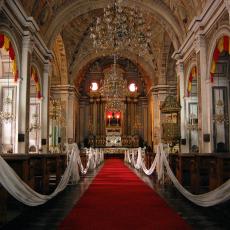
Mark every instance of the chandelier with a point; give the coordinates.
(192, 122)
(35, 124)
(114, 89)
(121, 28)
(6, 115)
(114, 86)
(219, 117)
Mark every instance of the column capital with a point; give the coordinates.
(179, 67)
(27, 42)
(47, 67)
(200, 42)
(177, 55)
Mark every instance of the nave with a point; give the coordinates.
(114, 78)
(52, 214)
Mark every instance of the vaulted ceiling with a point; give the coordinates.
(71, 19)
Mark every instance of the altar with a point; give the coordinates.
(113, 137)
(116, 152)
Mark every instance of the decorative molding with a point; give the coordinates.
(200, 42)
(67, 89)
(27, 43)
(26, 25)
(162, 89)
(201, 25)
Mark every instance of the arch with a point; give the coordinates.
(35, 76)
(60, 61)
(192, 72)
(8, 32)
(221, 32)
(146, 67)
(7, 42)
(76, 9)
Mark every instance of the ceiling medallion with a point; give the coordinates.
(121, 28)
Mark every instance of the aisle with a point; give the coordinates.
(118, 199)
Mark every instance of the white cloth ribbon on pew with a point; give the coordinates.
(95, 158)
(23, 193)
(216, 196)
(219, 195)
(140, 164)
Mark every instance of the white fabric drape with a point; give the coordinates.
(95, 158)
(23, 193)
(219, 195)
(139, 164)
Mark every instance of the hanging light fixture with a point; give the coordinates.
(219, 117)
(192, 122)
(6, 115)
(114, 89)
(114, 86)
(35, 124)
(121, 28)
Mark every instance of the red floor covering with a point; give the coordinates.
(118, 199)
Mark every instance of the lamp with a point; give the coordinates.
(192, 122)
(219, 117)
(121, 28)
(35, 123)
(114, 89)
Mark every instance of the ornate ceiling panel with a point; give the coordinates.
(44, 10)
(73, 18)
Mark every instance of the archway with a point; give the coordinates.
(219, 76)
(8, 94)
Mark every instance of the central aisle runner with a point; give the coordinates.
(118, 199)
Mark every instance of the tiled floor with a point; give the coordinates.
(49, 215)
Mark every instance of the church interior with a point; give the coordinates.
(118, 110)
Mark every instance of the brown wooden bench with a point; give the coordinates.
(36, 170)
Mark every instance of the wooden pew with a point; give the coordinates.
(3, 205)
(183, 168)
(21, 165)
(201, 172)
(36, 170)
(38, 162)
(55, 167)
(219, 170)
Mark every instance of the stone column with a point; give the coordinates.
(45, 110)
(156, 119)
(181, 76)
(24, 96)
(70, 118)
(204, 97)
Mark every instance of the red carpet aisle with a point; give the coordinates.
(118, 199)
